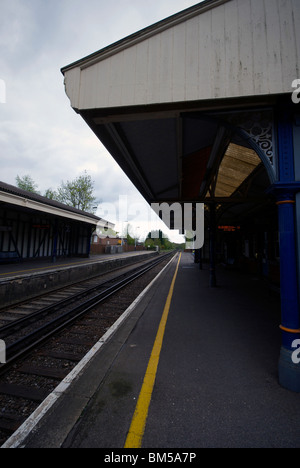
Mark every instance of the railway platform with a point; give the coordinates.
(22, 281)
(11, 270)
(211, 355)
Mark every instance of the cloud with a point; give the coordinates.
(40, 134)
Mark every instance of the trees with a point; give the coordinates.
(78, 193)
(160, 239)
(27, 183)
(51, 194)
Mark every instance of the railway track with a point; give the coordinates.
(24, 308)
(43, 346)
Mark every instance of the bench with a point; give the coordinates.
(9, 257)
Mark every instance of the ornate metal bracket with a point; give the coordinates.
(259, 126)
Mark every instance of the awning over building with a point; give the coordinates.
(33, 226)
(32, 201)
(184, 106)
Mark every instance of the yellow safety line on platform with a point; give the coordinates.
(138, 423)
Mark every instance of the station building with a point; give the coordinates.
(204, 107)
(35, 227)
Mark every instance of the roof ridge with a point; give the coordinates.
(144, 33)
(4, 187)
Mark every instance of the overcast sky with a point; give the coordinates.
(40, 134)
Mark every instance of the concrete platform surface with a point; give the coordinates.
(216, 383)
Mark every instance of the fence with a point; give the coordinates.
(97, 249)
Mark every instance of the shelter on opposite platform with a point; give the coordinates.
(32, 226)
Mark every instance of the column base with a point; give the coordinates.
(289, 372)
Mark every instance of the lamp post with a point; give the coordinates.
(135, 238)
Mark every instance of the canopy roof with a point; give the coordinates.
(185, 106)
(23, 199)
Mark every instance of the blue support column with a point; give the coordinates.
(288, 270)
(297, 177)
(285, 190)
(289, 371)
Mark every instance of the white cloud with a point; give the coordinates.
(40, 134)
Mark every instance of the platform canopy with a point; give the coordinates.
(33, 226)
(186, 106)
(22, 200)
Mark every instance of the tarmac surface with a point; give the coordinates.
(216, 383)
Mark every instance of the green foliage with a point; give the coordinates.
(78, 193)
(51, 194)
(130, 240)
(162, 241)
(27, 183)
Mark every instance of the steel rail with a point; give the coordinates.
(7, 330)
(43, 333)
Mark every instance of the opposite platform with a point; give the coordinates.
(20, 282)
(216, 383)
